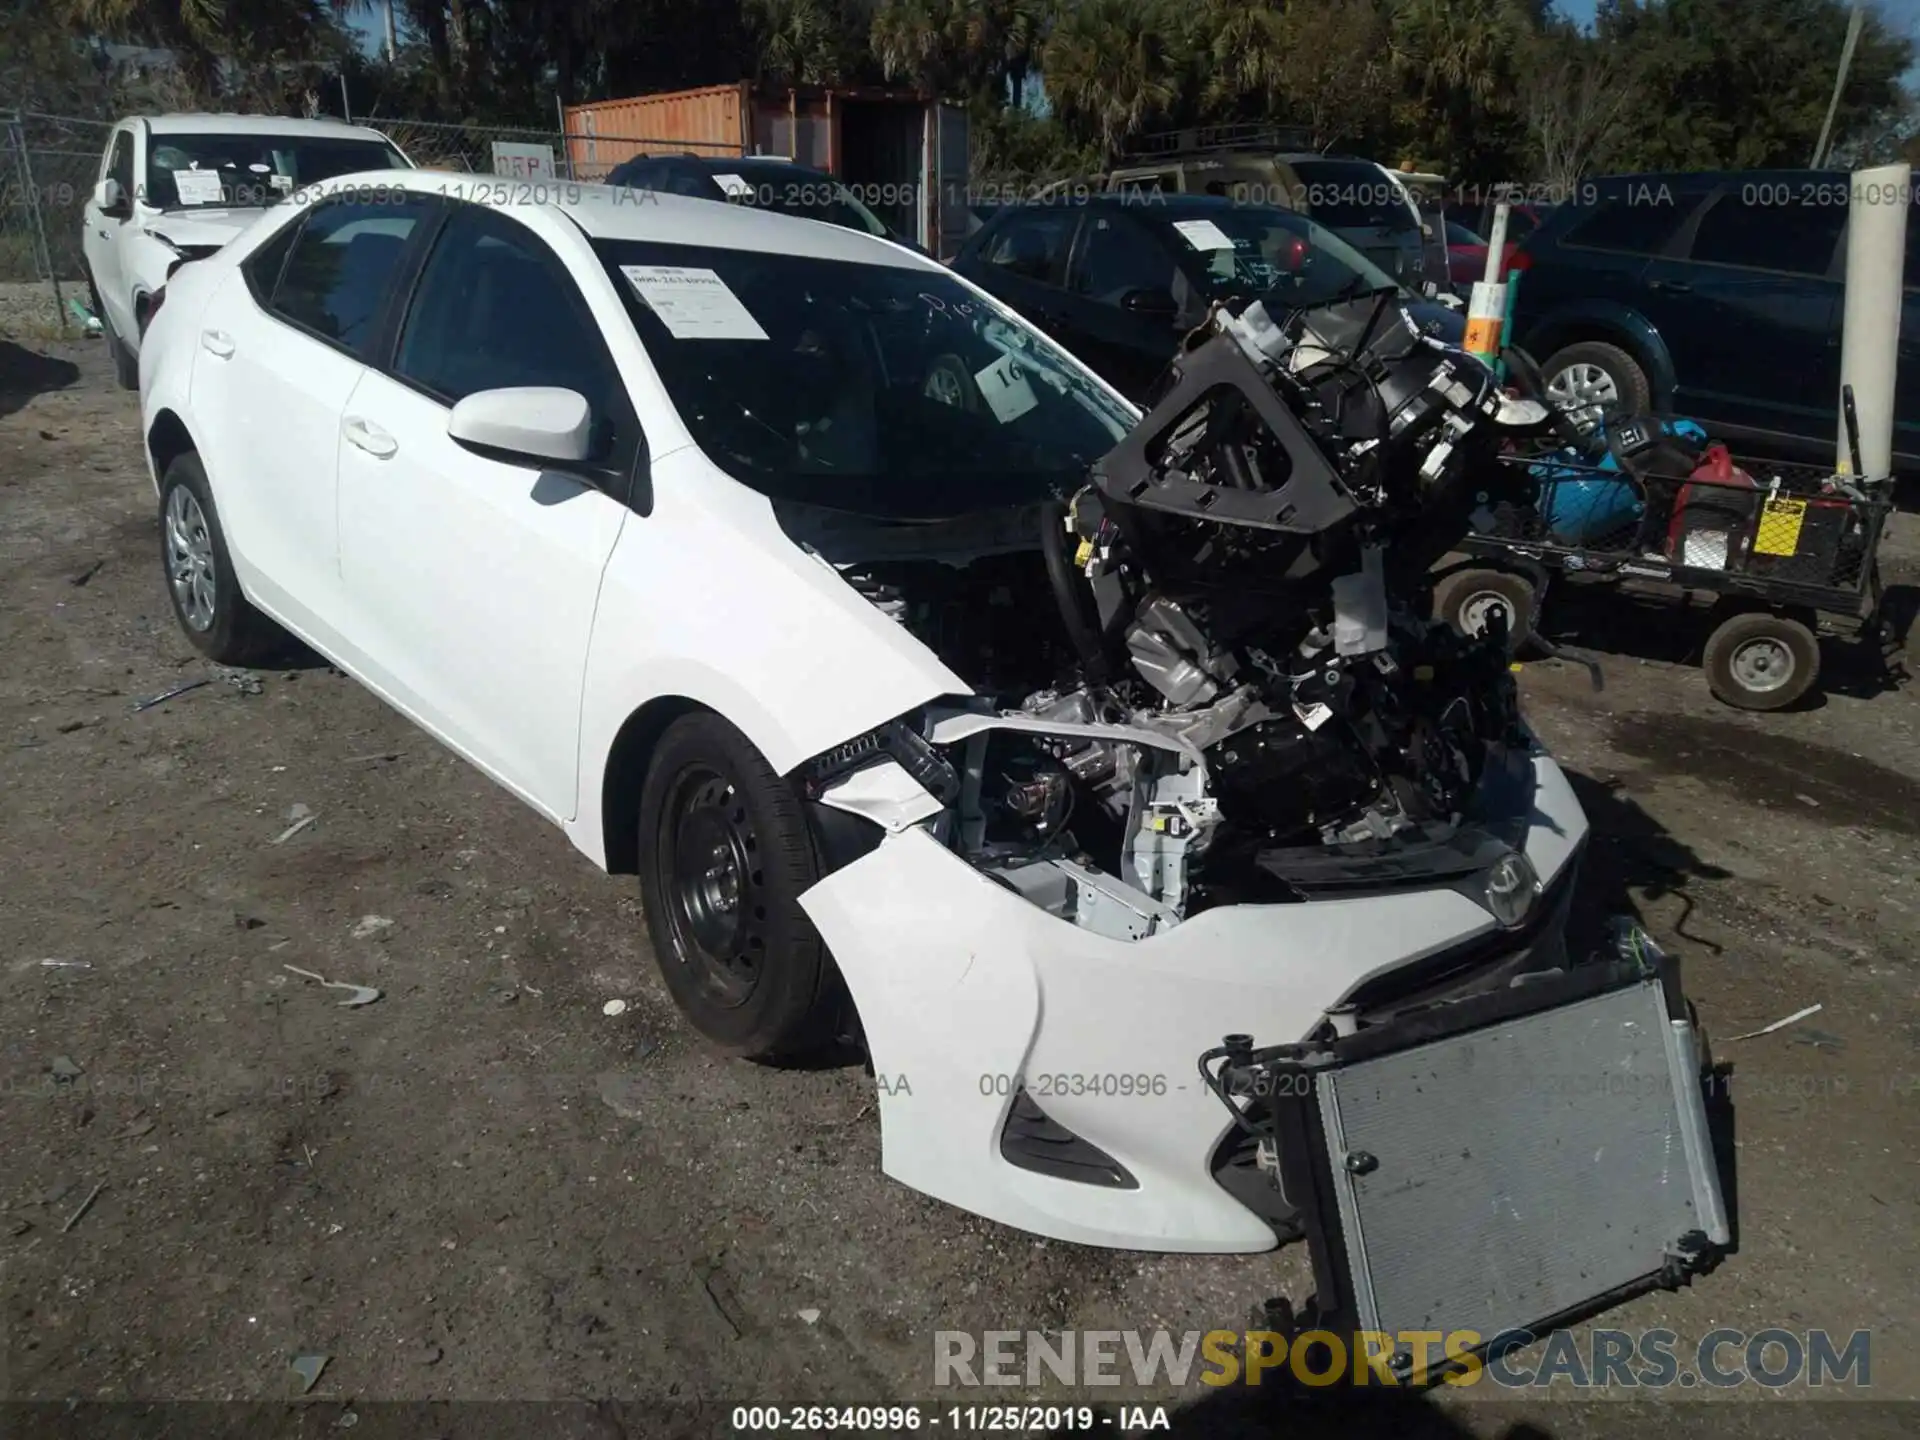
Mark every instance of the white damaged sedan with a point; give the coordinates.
(760, 556)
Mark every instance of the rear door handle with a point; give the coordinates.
(216, 342)
(1677, 287)
(368, 437)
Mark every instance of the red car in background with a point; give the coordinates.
(1467, 244)
(1467, 256)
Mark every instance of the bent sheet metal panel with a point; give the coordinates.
(962, 985)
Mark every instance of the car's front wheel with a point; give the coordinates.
(725, 853)
(217, 619)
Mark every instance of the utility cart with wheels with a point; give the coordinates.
(1777, 551)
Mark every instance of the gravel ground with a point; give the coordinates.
(482, 1188)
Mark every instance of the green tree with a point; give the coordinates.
(1112, 65)
(213, 39)
(1744, 83)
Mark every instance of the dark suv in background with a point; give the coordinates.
(1119, 278)
(1717, 296)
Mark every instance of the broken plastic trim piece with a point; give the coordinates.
(1033, 1140)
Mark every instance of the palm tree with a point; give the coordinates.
(1111, 65)
(203, 33)
(798, 41)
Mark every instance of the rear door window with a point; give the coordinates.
(336, 279)
(1796, 238)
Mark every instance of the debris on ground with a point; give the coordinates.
(17, 1228)
(308, 1368)
(378, 757)
(1817, 1039)
(166, 695)
(431, 1354)
(67, 727)
(142, 1126)
(719, 1293)
(362, 994)
(85, 1205)
(85, 575)
(614, 1007)
(372, 927)
(810, 1315)
(67, 964)
(64, 1070)
(244, 681)
(1794, 1018)
(298, 817)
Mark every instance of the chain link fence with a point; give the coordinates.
(48, 165)
(47, 168)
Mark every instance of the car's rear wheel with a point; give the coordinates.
(217, 619)
(725, 853)
(1592, 380)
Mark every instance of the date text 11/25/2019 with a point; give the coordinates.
(1007, 1419)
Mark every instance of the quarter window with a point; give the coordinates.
(1638, 224)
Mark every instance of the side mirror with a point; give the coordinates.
(110, 198)
(532, 422)
(1155, 303)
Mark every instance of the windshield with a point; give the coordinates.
(1350, 195)
(879, 389)
(188, 171)
(1253, 250)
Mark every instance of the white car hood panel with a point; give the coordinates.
(201, 227)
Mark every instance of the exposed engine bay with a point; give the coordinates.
(1209, 676)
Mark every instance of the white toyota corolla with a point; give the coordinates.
(760, 557)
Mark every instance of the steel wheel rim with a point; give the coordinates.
(714, 887)
(192, 572)
(1763, 665)
(1478, 608)
(1585, 391)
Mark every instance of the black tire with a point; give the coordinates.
(738, 954)
(1630, 383)
(236, 633)
(1761, 661)
(1461, 599)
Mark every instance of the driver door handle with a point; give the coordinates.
(217, 342)
(369, 437)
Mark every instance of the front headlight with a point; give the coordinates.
(1513, 885)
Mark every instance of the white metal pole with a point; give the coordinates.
(1854, 22)
(1870, 337)
(393, 39)
(1497, 242)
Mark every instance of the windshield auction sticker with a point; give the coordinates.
(1204, 234)
(197, 187)
(693, 304)
(1004, 384)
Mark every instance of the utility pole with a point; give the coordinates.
(393, 43)
(1854, 22)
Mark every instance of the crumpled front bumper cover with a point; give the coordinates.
(1493, 1165)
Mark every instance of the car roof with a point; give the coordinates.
(729, 164)
(617, 212)
(188, 123)
(1162, 205)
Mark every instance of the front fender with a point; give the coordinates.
(1613, 323)
(706, 599)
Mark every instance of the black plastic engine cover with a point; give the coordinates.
(1280, 778)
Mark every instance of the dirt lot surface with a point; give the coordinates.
(484, 1188)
